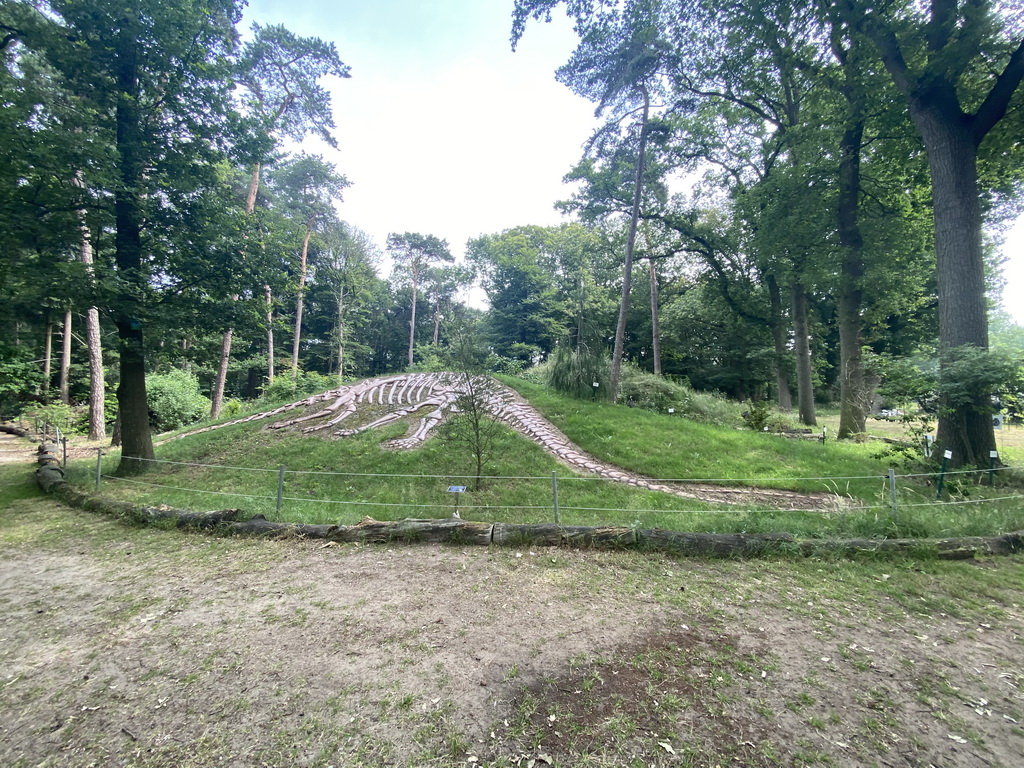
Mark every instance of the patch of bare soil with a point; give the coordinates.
(140, 647)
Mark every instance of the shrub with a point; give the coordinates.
(646, 390)
(174, 400)
(709, 408)
(659, 394)
(574, 371)
(20, 377)
(55, 415)
(306, 383)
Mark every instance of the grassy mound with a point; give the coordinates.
(343, 480)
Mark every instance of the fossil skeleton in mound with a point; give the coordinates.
(435, 396)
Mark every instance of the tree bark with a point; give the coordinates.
(963, 314)
(627, 267)
(136, 439)
(804, 376)
(270, 334)
(437, 322)
(47, 358)
(412, 320)
(217, 395)
(299, 297)
(97, 383)
(655, 324)
(853, 395)
(952, 136)
(341, 334)
(65, 359)
(778, 329)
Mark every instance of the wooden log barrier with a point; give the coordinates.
(50, 475)
(714, 544)
(48, 454)
(551, 535)
(7, 429)
(370, 531)
(466, 532)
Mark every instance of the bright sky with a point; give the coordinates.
(443, 130)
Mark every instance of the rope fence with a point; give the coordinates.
(552, 502)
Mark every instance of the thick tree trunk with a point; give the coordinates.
(627, 267)
(853, 395)
(299, 297)
(966, 430)
(804, 375)
(133, 410)
(778, 329)
(952, 136)
(65, 359)
(655, 324)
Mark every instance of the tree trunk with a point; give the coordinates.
(437, 322)
(412, 321)
(804, 377)
(133, 410)
(778, 329)
(655, 325)
(853, 395)
(47, 358)
(298, 298)
(341, 334)
(963, 314)
(627, 267)
(217, 396)
(270, 335)
(97, 384)
(952, 136)
(254, 188)
(65, 359)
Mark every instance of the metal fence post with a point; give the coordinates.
(280, 486)
(892, 492)
(99, 466)
(554, 496)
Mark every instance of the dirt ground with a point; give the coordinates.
(123, 646)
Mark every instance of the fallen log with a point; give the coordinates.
(551, 535)
(466, 532)
(51, 480)
(714, 544)
(370, 531)
(965, 548)
(10, 430)
(48, 476)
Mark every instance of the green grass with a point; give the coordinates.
(340, 481)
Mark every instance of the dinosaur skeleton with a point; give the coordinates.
(405, 395)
